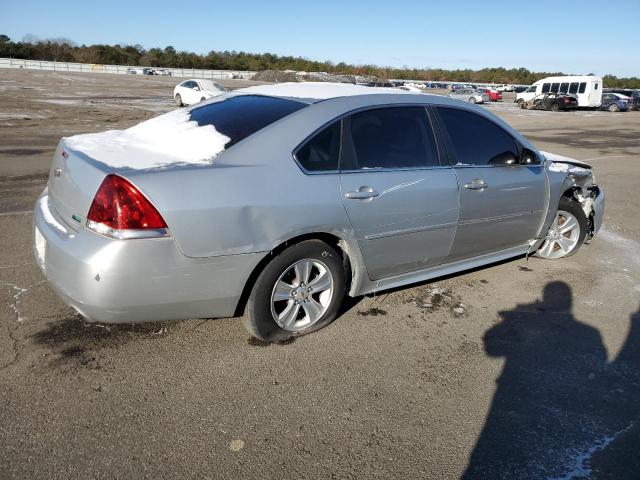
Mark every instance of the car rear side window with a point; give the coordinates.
(476, 140)
(398, 137)
(241, 116)
(322, 151)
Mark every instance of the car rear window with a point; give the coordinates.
(243, 115)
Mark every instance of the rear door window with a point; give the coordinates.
(322, 151)
(240, 116)
(398, 137)
(476, 140)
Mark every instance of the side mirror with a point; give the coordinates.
(529, 157)
(504, 158)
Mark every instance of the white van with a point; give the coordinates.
(587, 88)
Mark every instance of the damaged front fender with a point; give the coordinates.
(574, 179)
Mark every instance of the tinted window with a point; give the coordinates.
(564, 87)
(322, 151)
(554, 87)
(573, 88)
(241, 116)
(595, 86)
(546, 87)
(476, 140)
(392, 138)
(583, 86)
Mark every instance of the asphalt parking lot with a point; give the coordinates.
(526, 369)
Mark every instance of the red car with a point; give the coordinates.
(494, 95)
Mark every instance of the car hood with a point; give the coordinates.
(560, 159)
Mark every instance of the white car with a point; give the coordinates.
(193, 91)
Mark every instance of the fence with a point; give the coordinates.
(118, 69)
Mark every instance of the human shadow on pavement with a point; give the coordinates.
(559, 407)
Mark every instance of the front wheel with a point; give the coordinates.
(472, 100)
(567, 232)
(555, 107)
(178, 100)
(613, 107)
(298, 292)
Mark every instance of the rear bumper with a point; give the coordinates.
(123, 281)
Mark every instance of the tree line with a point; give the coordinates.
(64, 50)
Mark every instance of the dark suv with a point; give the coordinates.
(634, 96)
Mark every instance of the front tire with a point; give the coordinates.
(472, 100)
(555, 107)
(567, 232)
(178, 100)
(298, 292)
(613, 107)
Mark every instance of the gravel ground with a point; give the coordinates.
(525, 369)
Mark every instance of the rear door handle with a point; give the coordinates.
(477, 184)
(363, 193)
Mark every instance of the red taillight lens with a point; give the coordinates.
(118, 205)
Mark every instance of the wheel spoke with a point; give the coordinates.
(568, 225)
(282, 291)
(303, 271)
(290, 314)
(321, 283)
(313, 309)
(565, 244)
(547, 248)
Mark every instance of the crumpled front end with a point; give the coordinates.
(580, 184)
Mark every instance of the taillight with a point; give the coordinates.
(120, 210)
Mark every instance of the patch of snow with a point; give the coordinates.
(316, 90)
(581, 468)
(48, 216)
(172, 138)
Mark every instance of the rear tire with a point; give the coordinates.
(178, 100)
(567, 232)
(555, 107)
(284, 304)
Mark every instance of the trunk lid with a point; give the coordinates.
(73, 182)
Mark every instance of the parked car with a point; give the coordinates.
(551, 101)
(520, 89)
(494, 95)
(469, 95)
(633, 95)
(135, 71)
(279, 200)
(193, 91)
(162, 71)
(614, 102)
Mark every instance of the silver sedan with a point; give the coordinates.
(470, 95)
(276, 201)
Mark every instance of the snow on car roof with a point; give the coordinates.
(317, 90)
(169, 139)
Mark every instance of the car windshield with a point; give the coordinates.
(240, 116)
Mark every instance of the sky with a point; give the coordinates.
(573, 36)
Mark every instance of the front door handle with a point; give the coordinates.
(477, 184)
(363, 193)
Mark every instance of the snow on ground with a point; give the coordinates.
(172, 138)
(316, 90)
